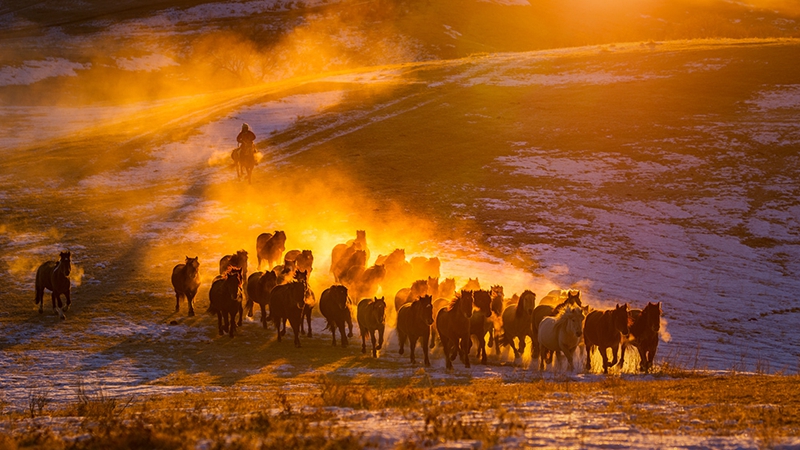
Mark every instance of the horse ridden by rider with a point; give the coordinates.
(244, 155)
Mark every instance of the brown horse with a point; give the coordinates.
(472, 285)
(352, 269)
(270, 248)
(371, 315)
(259, 289)
(422, 267)
(479, 323)
(310, 302)
(186, 281)
(244, 158)
(604, 330)
(302, 260)
(407, 295)
(498, 303)
(334, 306)
(225, 299)
(517, 322)
(367, 284)
(414, 322)
(341, 254)
(286, 302)
(238, 259)
(452, 324)
(54, 276)
(646, 324)
(572, 299)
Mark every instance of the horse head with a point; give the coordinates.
(193, 264)
(497, 291)
(651, 314)
(620, 318)
(483, 301)
(526, 304)
(424, 309)
(574, 299)
(65, 263)
(378, 309)
(574, 318)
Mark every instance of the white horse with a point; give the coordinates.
(560, 334)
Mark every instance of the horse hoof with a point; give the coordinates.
(191, 313)
(400, 351)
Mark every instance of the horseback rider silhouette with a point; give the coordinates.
(245, 153)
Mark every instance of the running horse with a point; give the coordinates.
(244, 156)
(54, 276)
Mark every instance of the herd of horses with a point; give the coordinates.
(426, 312)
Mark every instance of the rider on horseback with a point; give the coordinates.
(245, 140)
(244, 156)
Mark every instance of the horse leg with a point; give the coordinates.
(465, 343)
(263, 315)
(364, 341)
(241, 313)
(39, 299)
(482, 348)
(412, 346)
(68, 298)
(190, 302)
(380, 338)
(277, 322)
(604, 355)
(425, 337)
(588, 346)
(349, 321)
(232, 326)
(308, 319)
(614, 354)
(401, 337)
(622, 355)
(446, 345)
(177, 302)
(433, 337)
(343, 336)
(296, 331)
(333, 333)
(374, 343)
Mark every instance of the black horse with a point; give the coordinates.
(414, 321)
(371, 315)
(54, 275)
(225, 299)
(286, 302)
(259, 289)
(186, 281)
(333, 304)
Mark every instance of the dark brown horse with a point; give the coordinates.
(225, 299)
(259, 289)
(303, 260)
(517, 322)
(286, 302)
(646, 324)
(270, 248)
(453, 326)
(54, 276)
(341, 254)
(186, 281)
(371, 315)
(244, 157)
(333, 304)
(238, 259)
(604, 330)
(367, 284)
(481, 320)
(407, 295)
(572, 299)
(414, 322)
